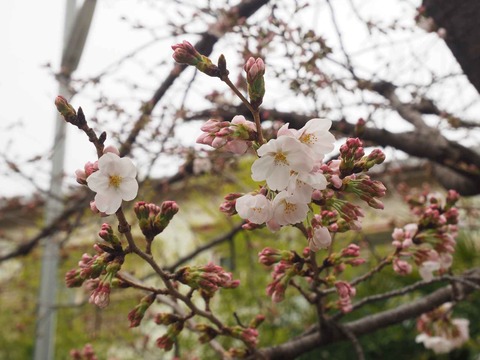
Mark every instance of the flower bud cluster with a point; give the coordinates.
(235, 136)
(353, 159)
(248, 335)
(255, 69)
(270, 256)
(166, 341)
(87, 353)
(102, 267)
(347, 256)
(439, 332)
(135, 316)
(366, 189)
(431, 241)
(345, 292)
(282, 273)
(185, 53)
(208, 278)
(154, 219)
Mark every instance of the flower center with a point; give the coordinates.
(114, 181)
(289, 207)
(280, 159)
(308, 139)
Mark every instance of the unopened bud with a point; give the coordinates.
(64, 108)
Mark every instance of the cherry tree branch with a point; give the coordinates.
(460, 160)
(372, 323)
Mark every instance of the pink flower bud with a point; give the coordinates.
(401, 267)
(111, 149)
(185, 53)
(64, 108)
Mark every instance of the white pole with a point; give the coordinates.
(76, 27)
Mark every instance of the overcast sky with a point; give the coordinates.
(31, 34)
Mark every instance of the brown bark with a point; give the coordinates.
(461, 20)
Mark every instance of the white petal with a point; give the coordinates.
(301, 159)
(269, 147)
(126, 168)
(98, 181)
(317, 124)
(108, 202)
(261, 168)
(107, 161)
(278, 177)
(128, 188)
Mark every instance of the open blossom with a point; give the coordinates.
(439, 332)
(303, 184)
(288, 209)
(316, 136)
(113, 182)
(255, 208)
(278, 158)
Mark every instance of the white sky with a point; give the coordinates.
(31, 34)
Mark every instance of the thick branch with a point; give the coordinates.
(461, 20)
(372, 323)
(458, 159)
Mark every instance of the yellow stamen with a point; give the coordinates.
(289, 207)
(114, 181)
(308, 139)
(280, 159)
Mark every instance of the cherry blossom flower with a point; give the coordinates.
(427, 268)
(316, 136)
(278, 158)
(255, 208)
(443, 334)
(113, 182)
(303, 184)
(288, 209)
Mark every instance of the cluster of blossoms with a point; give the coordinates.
(431, 242)
(439, 332)
(290, 166)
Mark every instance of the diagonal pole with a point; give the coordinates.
(77, 24)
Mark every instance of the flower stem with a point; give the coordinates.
(255, 112)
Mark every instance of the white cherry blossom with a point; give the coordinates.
(113, 182)
(255, 208)
(316, 136)
(278, 158)
(288, 209)
(302, 184)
